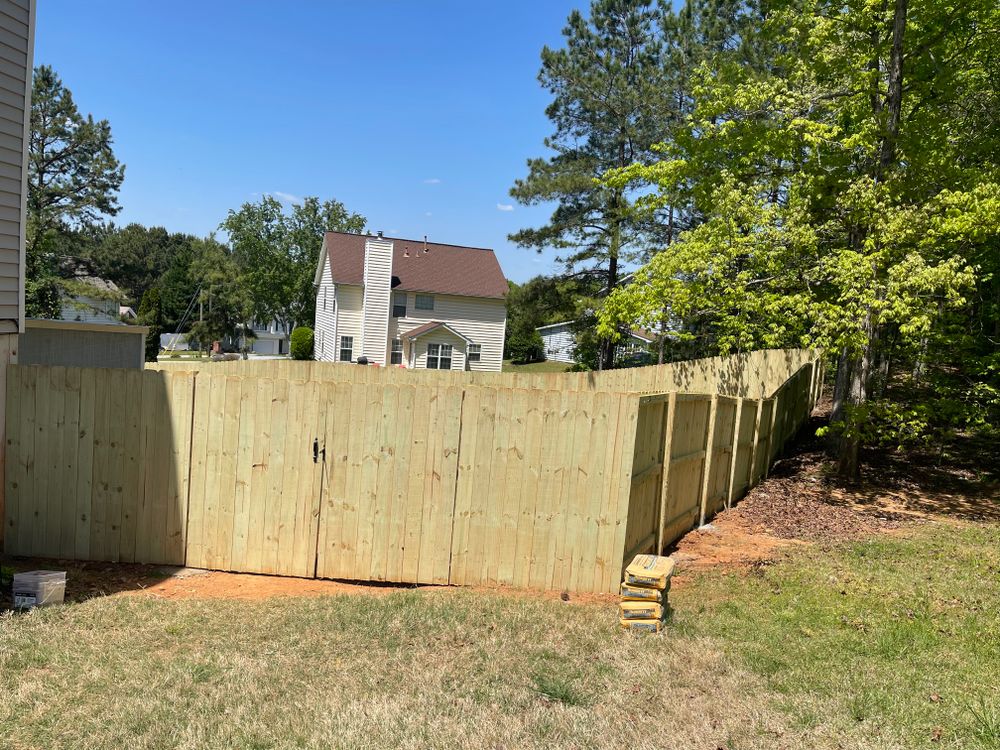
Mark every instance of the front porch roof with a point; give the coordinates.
(433, 326)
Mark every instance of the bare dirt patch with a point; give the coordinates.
(803, 502)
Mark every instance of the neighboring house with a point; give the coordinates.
(127, 313)
(269, 338)
(409, 303)
(559, 342)
(85, 297)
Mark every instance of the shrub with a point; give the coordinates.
(526, 346)
(302, 343)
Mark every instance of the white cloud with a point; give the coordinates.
(504, 207)
(285, 197)
(432, 181)
(428, 213)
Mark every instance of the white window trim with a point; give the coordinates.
(439, 355)
(342, 348)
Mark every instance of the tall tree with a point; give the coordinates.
(224, 306)
(607, 111)
(73, 178)
(848, 188)
(277, 252)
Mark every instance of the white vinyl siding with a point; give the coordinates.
(480, 320)
(17, 24)
(326, 317)
(378, 279)
(559, 342)
(89, 310)
(439, 338)
(349, 302)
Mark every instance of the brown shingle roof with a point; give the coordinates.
(442, 269)
(419, 331)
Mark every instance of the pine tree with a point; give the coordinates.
(608, 111)
(73, 180)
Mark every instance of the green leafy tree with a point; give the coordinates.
(608, 110)
(277, 253)
(224, 307)
(848, 187)
(301, 343)
(73, 180)
(150, 314)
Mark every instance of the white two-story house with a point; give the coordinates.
(409, 303)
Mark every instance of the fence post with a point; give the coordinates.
(709, 450)
(770, 437)
(737, 418)
(668, 435)
(753, 477)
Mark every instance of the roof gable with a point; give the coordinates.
(418, 266)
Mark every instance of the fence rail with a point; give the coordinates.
(750, 375)
(395, 481)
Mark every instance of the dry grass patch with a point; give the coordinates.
(890, 642)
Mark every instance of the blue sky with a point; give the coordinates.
(419, 115)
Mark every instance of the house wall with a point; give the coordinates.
(559, 343)
(89, 310)
(17, 27)
(350, 304)
(375, 320)
(326, 317)
(419, 354)
(483, 321)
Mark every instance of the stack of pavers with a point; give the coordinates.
(644, 593)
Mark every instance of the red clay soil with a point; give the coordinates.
(802, 502)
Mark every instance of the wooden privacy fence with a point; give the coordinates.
(374, 481)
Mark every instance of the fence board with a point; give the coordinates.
(75, 463)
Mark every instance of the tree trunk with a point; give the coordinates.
(840, 383)
(606, 355)
(894, 93)
(859, 371)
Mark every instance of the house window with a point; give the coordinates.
(320, 343)
(424, 302)
(396, 355)
(346, 348)
(475, 352)
(324, 299)
(439, 356)
(399, 305)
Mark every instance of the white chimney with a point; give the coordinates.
(377, 298)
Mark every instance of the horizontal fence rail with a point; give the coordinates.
(392, 480)
(750, 375)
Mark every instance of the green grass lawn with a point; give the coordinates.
(888, 643)
(509, 366)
